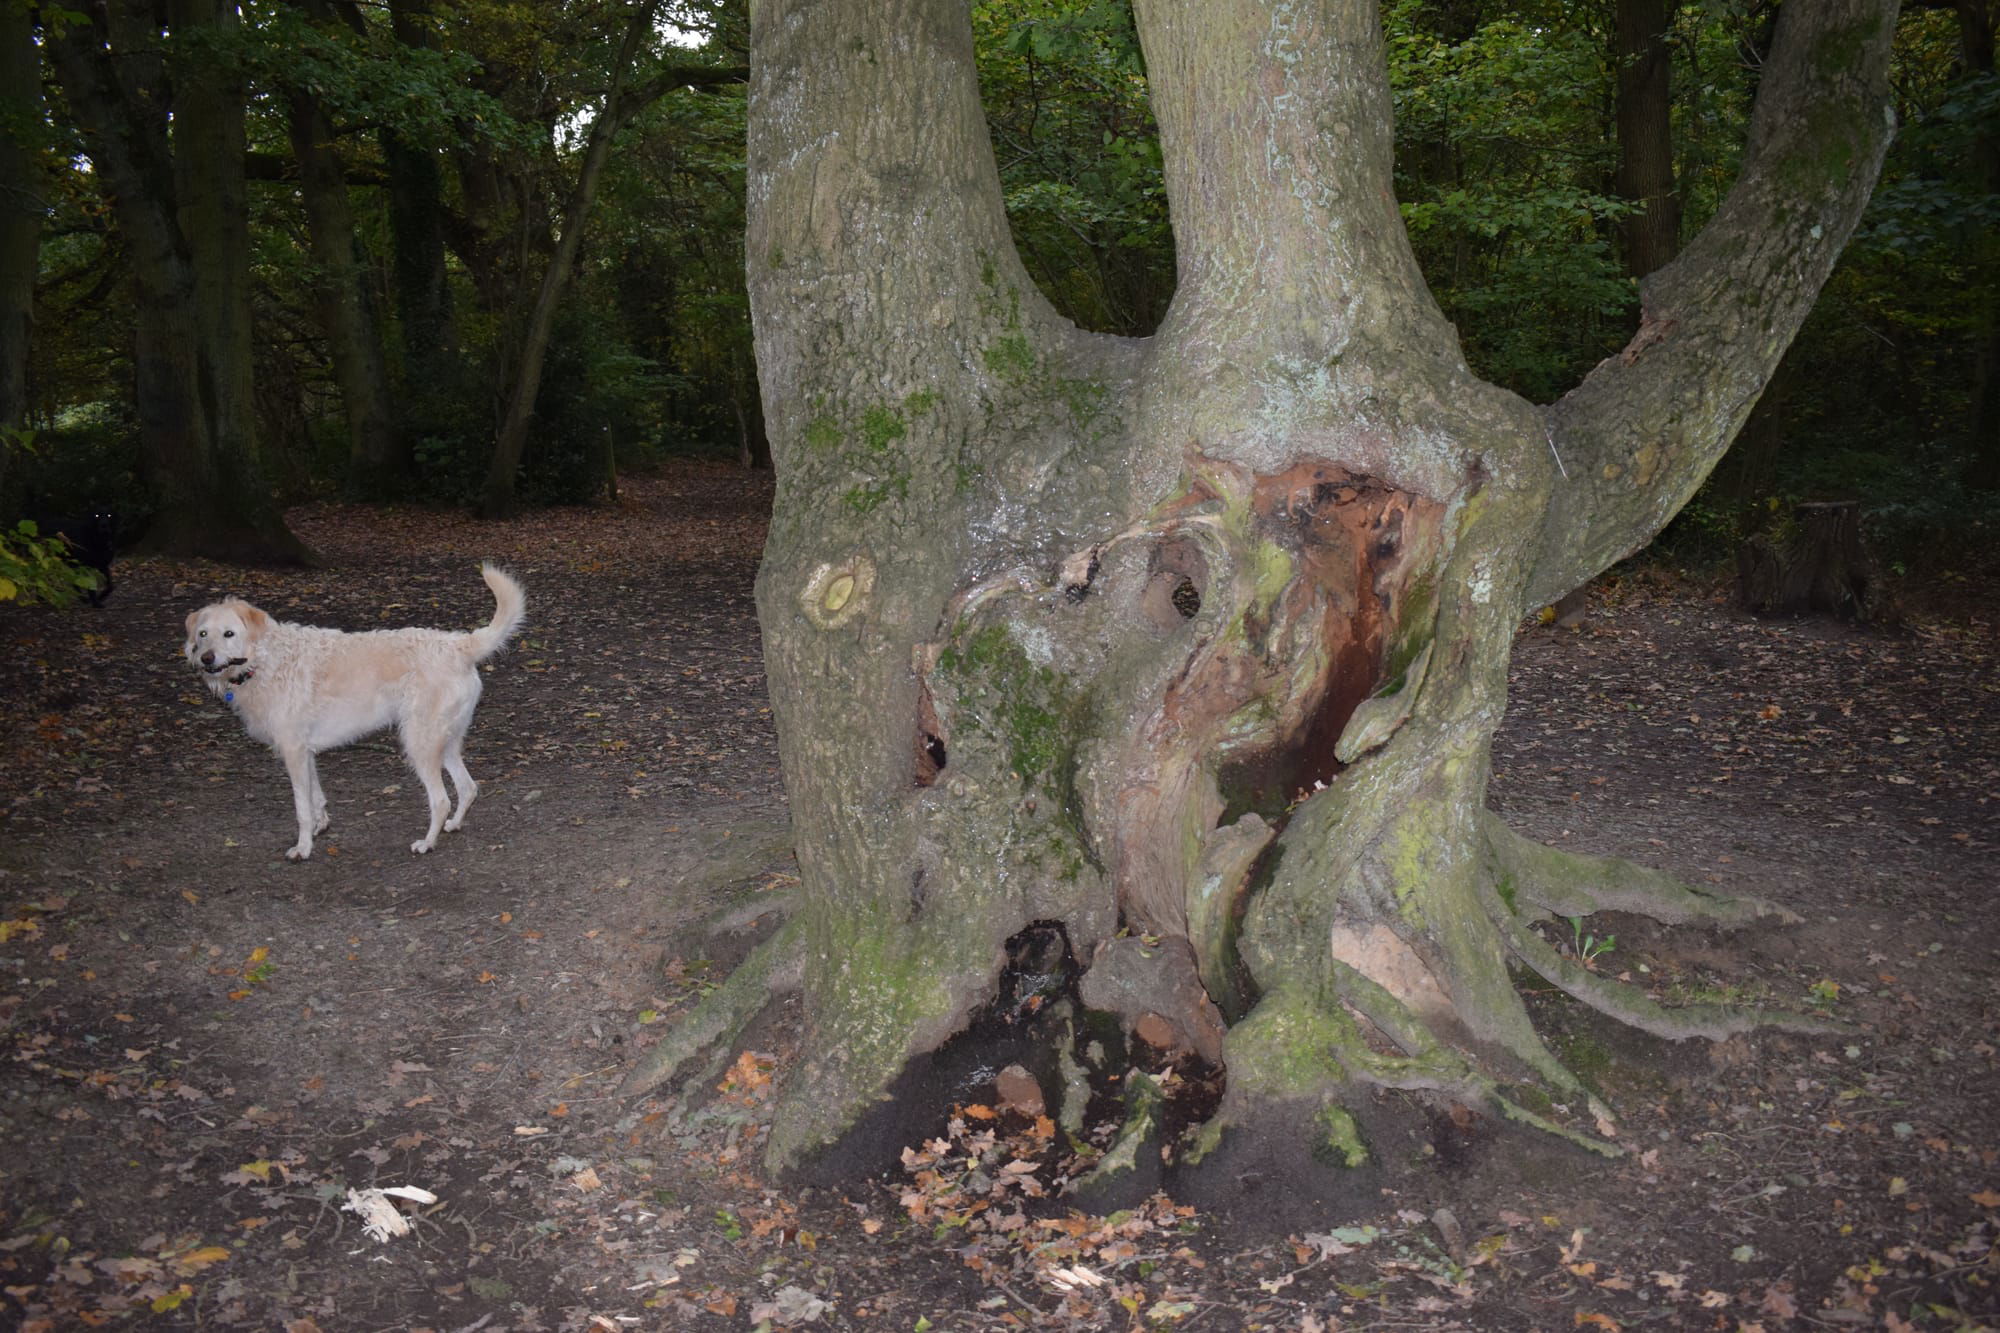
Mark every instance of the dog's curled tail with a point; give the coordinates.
(510, 606)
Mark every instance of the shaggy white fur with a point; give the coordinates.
(301, 690)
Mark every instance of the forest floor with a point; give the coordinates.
(204, 1048)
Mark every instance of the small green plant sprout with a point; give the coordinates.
(1585, 945)
(1823, 994)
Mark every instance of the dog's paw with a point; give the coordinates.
(322, 824)
(421, 845)
(298, 853)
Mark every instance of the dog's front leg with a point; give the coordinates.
(320, 817)
(304, 772)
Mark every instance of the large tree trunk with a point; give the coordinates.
(378, 455)
(182, 213)
(1194, 646)
(22, 203)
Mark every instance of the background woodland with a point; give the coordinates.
(493, 248)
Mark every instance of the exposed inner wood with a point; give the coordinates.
(1356, 545)
(930, 755)
(1268, 699)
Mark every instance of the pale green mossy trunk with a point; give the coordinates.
(1196, 644)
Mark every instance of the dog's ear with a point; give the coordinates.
(255, 622)
(192, 617)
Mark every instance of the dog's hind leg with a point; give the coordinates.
(424, 749)
(306, 801)
(461, 781)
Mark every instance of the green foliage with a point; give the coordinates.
(86, 459)
(34, 568)
(434, 97)
(1502, 149)
(1065, 93)
(1584, 945)
(1505, 151)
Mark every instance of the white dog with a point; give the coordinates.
(301, 690)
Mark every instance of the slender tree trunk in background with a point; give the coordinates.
(1644, 115)
(192, 361)
(379, 457)
(496, 499)
(22, 204)
(1975, 29)
(753, 445)
(1645, 177)
(1194, 646)
(426, 326)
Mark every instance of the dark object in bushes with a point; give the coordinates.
(1814, 560)
(93, 541)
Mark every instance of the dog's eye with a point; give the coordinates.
(229, 634)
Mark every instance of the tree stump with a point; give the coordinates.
(1814, 561)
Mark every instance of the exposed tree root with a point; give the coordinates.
(1465, 1080)
(772, 968)
(1522, 1115)
(1574, 884)
(1427, 1064)
(1630, 1005)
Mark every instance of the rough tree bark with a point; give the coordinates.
(1195, 645)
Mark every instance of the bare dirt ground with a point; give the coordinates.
(203, 1048)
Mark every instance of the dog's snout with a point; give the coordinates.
(208, 657)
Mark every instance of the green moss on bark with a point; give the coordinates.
(1031, 708)
(1339, 1138)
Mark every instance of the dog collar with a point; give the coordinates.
(229, 696)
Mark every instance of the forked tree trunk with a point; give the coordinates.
(1195, 645)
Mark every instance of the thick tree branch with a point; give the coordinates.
(1642, 431)
(662, 82)
(875, 204)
